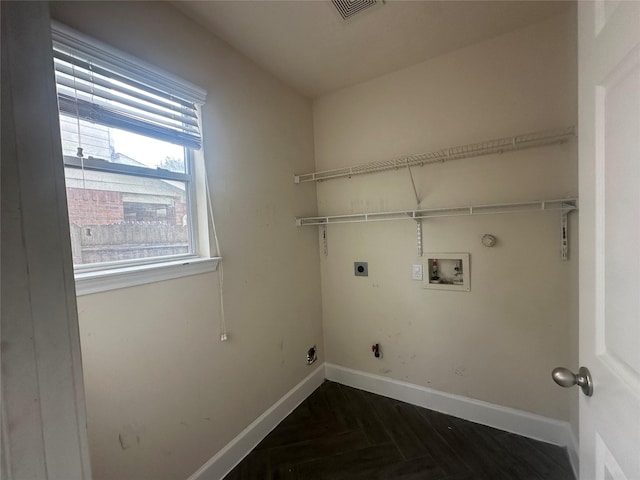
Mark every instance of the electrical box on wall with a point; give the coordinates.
(447, 271)
(361, 269)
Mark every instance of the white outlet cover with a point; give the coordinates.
(416, 272)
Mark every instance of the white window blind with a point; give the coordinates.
(103, 86)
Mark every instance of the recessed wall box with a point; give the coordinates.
(361, 269)
(447, 271)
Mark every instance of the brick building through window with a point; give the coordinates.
(113, 216)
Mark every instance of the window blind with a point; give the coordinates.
(89, 88)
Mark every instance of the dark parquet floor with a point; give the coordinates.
(344, 433)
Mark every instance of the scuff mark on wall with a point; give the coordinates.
(461, 372)
(129, 436)
(123, 444)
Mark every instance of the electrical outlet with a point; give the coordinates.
(416, 272)
(361, 269)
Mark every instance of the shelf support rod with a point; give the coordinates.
(413, 184)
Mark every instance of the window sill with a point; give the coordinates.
(105, 280)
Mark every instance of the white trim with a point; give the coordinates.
(6, 472)
(112, 279)
(42, 392)
(126, 64)
(226, 459)
(504, 418)
(573, 448)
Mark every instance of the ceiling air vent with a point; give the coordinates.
(349, 8)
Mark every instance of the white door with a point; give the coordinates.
(609, 172)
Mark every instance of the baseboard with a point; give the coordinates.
(509, 419)
(226, 459)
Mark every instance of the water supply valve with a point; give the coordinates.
(312, 355)
(375, 348)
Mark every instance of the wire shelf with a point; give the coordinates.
(565, 205)
(518, 142)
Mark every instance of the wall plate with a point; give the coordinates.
(416, 271)
(361, 269)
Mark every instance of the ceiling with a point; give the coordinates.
(306, 43)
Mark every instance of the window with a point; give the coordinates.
(129, 134)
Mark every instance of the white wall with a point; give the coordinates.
(163, 394)
(499, 342)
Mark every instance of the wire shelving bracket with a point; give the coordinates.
(517, 142)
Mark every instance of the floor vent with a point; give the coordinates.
(349, 8)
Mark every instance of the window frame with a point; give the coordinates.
(104, 276)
